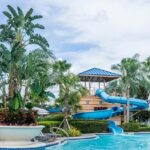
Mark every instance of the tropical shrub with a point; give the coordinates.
(48, 125)
(131, 127)
(18, 117)
(84, 126)
(135, 127)
(29, 105)
(52, 117)
(144, 129)
(73, 132)
(90, 126)
(142, 116)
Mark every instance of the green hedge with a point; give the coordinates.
(52, 117)
(135, 127)
(90, 126)
(85, 126)
(94, 126)
(48, 125)
(130, 127)
(144, 129)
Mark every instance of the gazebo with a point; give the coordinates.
(97, 75)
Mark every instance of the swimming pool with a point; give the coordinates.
(108, 142)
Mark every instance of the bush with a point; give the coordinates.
(84, 126)
(48, 125)
(90, 126)
(144, 129)
(135, 127)
(131, 127)
(73, 132)
(52, 117)
(18, 117)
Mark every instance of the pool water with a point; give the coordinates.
(108, 142)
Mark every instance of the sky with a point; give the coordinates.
(92, 33)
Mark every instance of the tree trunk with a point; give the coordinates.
(66, 112)
(4, 101)
(11, 93)
(25, 95)
(13, 83)
(4, 97)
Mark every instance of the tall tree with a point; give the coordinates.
(16, 39)
(60, 67)
(130, 70)
(71, 93)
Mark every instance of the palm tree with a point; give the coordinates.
(130, 69)
(60, 67)
(39, 90)
(135, 74)
(16, 38)
(71, 93)
(144, 88)
(36, 64)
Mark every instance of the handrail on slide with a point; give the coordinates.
(60, 129)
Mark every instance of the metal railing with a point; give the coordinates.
(60, 129)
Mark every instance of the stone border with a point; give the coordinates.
(42, 146)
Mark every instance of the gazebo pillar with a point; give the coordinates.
(99, 84)
(90, 85)
(104, 84)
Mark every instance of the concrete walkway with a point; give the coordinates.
(36, 145)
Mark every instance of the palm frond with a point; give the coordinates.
(12, 10)
(36, 17)
(29, 13)
(20, 12)
(7, 14)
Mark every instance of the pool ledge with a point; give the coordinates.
(38, 145)
(28, 145)
(84, 136)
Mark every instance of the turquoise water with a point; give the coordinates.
(108, 142)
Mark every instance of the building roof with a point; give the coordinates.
(97, 75)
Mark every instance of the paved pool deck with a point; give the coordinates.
(9, 145)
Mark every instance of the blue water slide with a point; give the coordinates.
(114, 128)
(135, 104)
(56, 109)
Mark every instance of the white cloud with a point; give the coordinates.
(118, 28)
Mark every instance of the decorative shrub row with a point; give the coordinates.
(52, 117)
(90, 126)
(84, 126)
(130, 127)
(48, 125)
(135, 127)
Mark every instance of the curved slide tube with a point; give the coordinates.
(135, 104)
(114, 128)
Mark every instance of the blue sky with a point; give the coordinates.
(92, 33)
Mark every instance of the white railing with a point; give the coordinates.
(60, 129)
(92, 90)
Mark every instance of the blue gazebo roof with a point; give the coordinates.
(96, 74)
